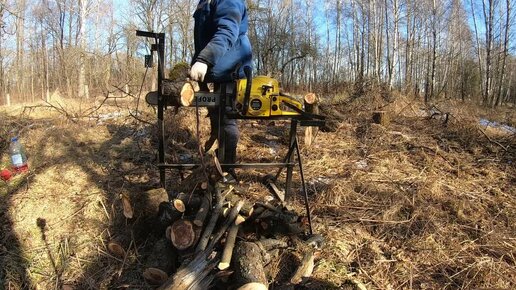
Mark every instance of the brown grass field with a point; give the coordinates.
(417, 204)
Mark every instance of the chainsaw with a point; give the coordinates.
(252, 97)
(262, 98)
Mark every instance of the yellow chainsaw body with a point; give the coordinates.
(265, 99)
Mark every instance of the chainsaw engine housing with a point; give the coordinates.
(265, 99)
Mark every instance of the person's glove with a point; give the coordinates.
(198, 71)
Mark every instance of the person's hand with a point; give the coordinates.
(198, 71)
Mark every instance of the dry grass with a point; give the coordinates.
(415, 205)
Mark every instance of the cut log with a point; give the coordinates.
(155, 276)
(192, 201)
(381, 117)
(193, 275)
(271, 244)
(230, 220)
(167, 214)
(247, 208)
(203, 211)
(253, 286)
(228, 247)
(312, 107)
(204, 239)
(311, 103)
(182, 234)
(311, 99)
(199, 175)
(248, 265)
(304, 270)
(179, 205)
(178, 93)
(116, 249)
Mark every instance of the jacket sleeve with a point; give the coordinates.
(227, 17)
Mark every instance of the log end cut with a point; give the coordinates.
(182, 234)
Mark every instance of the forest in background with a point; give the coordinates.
(432, 49)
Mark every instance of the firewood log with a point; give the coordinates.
(247, 208)
(248, 265)
(203, 211)
(204, 239)
(191, 200)
(167, 214)
(178, 93)
(271, 244)
(191, 275)
(194, 274)
(155, 276)
(233, 214)
(182, 234)
(311, 105)
(305, 269)
(228, 247)
(201, 174)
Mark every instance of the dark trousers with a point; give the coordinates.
(231, 134)
(230, 127)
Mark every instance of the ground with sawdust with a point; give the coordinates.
(417, 204)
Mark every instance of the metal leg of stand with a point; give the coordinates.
(161, 144)
(305, 193)
(288, 184)
(221, 120)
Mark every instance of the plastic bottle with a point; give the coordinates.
(18, 156)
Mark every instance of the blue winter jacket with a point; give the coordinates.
(221, 38)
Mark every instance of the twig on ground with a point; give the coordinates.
(491, 140)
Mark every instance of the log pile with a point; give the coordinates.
(222, 240)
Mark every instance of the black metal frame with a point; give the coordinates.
(303, 119)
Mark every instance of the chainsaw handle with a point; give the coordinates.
(249, 76)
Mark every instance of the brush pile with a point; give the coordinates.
(216, 235)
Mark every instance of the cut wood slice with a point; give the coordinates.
(179, 205)
(182, 234)
(187, 94)
(155, 276)
(311, 98)
(116, 249)
(126, 204)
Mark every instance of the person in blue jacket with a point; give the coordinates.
(221, 47)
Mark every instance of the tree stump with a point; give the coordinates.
(381, 117)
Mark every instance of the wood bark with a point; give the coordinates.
(204, 239)
(203, 211)
(248, 265)
(305, 269)
(228, 247)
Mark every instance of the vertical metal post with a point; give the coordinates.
(221, 120)
(288, 184)
(161, 106)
